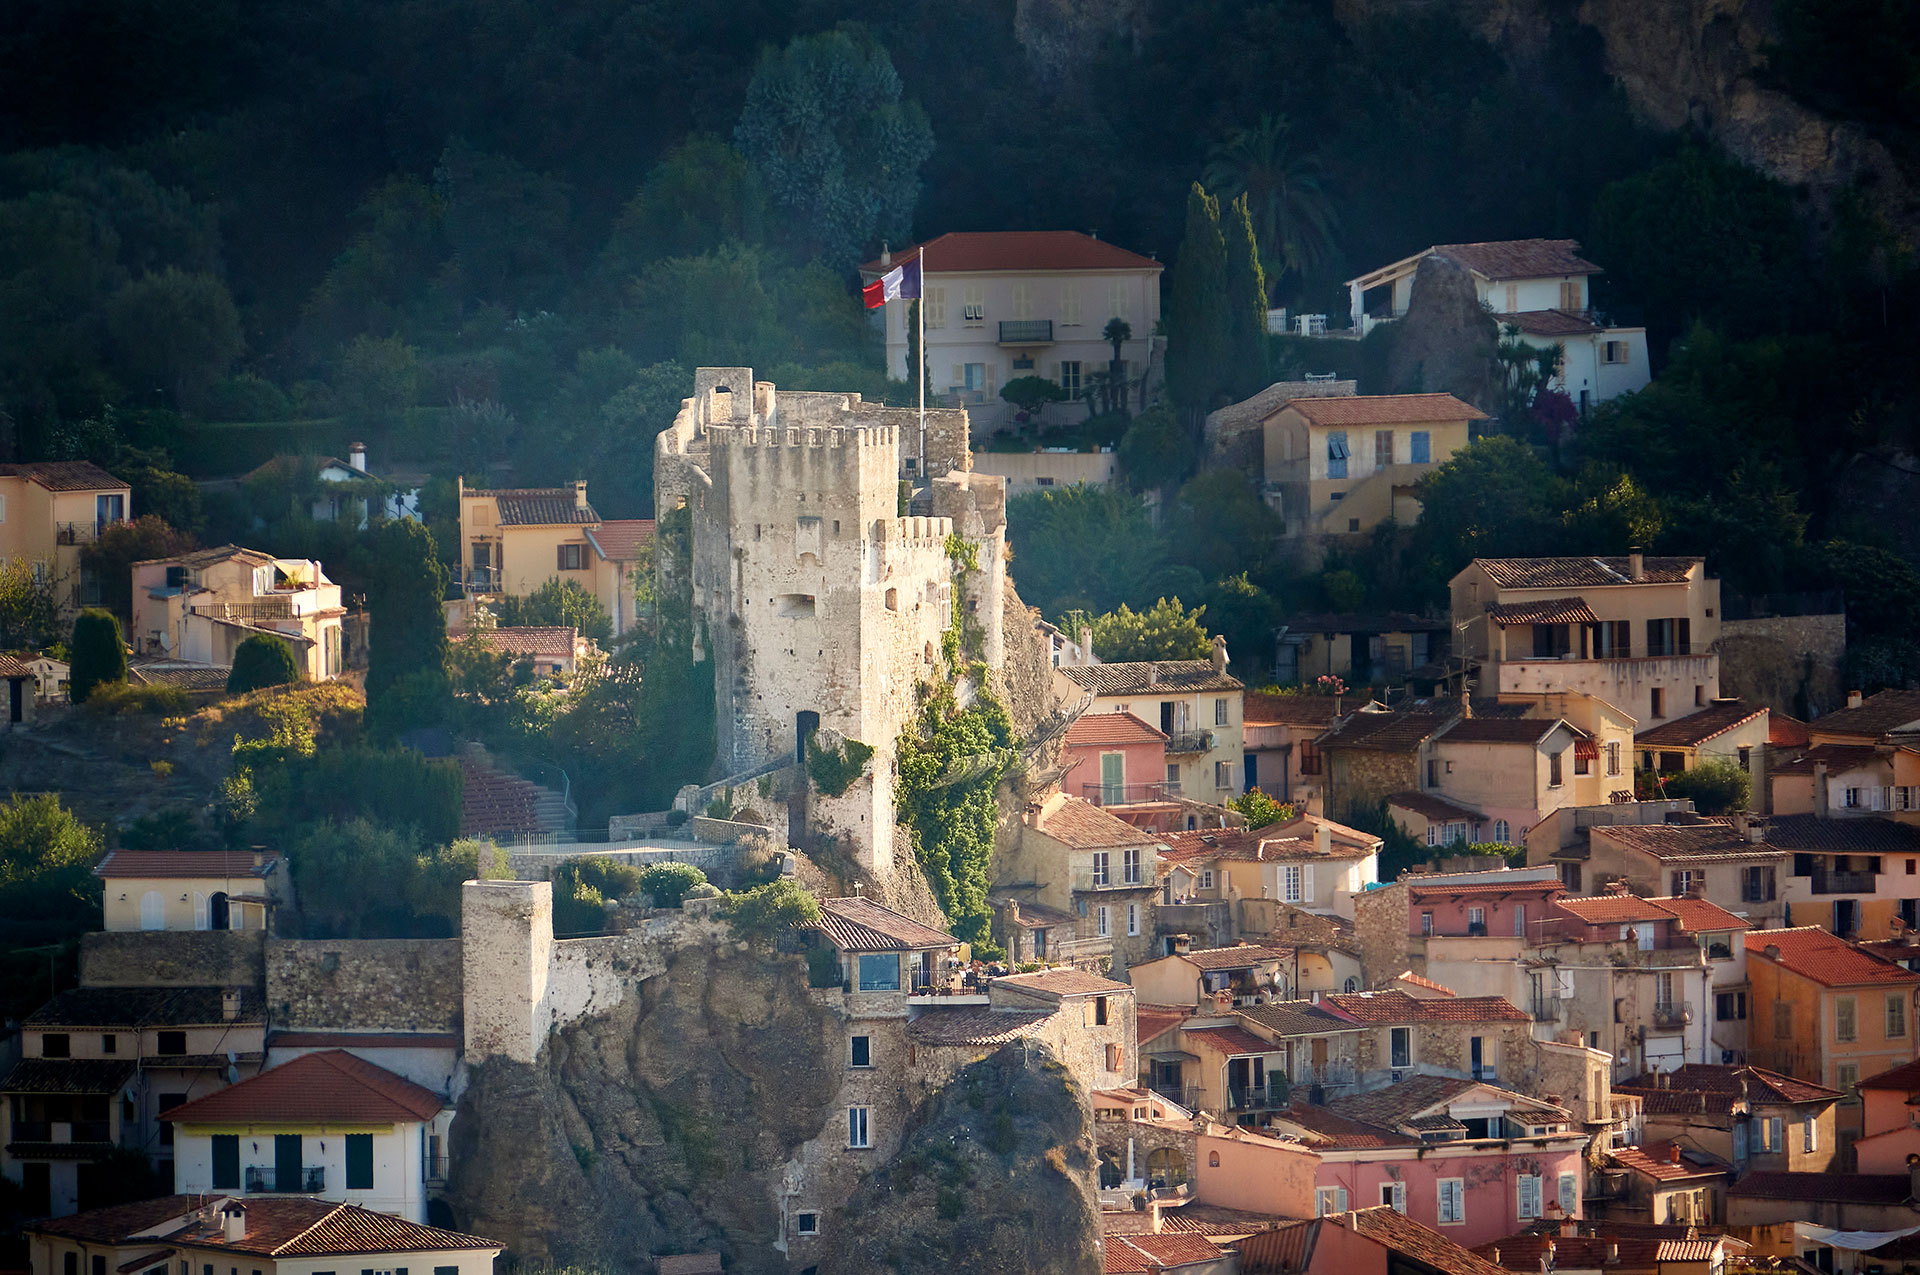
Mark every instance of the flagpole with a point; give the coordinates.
(920, 373)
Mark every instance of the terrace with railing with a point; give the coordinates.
(270, 1180)
(1128, 794)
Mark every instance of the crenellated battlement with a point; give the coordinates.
(913, 532)
(756, 434)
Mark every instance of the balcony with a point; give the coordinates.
(1327, 1075)
(1026, 331)
(1843, 883)
(263, 1180)
(1128, 794)
(79, 533)
(1546, 1009)
(1189, 741)
(1276, 1093)
(1672, 1017)
(480, 579)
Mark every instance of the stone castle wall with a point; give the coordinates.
(1778, 660)
(402, 985)
(173, 958)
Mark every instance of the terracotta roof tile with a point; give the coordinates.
(988, 250)
(1093, 729)
(67, 1075)
(1552, 323)
(290, 1228)
(1401, 1102)
(1904, 1077)
(1286, 1248)
(623, 539)
(1396, 1007)
(1395, 732)
(974, 1025)
(1696, 915)
(538, 506)
(1853, 1188)
(1839, 759)
(1167, 1251)
(1655, 1160)
(1402, 1234)
(1523, 1251)
(1435, 808)
(861, 925)
(1385, 409)
(1877, 715)
(185, 864)
(1263, 709)
(1500, 730)
(1698, 728)
(1154, 1020)
(1519, 258)
(1235, 956)
(1085, 826)
(12, 666)
(1295, 1018)
(1813, 953)
(1170, 677)
(65, 475)
(1408, 976)
(1710, 838)
(1704, 1087)
(1613, 909)
(1064, 982)
(554, 640)
(1233, 1042)
(1786, 732)
(118, 1222)
(1418, 889)
(1864, 834)
(331, 1086)
(1335, 1132)
(1545, 611)
(1685, 1250)
(1273, 843)
(1582, 573)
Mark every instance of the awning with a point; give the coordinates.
(1854, 1241)
(1174, 1055)
(1586, 750)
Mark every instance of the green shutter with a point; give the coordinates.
(226, 1161)
(359, 1162)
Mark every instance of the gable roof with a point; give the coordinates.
(1090, 730)
(1862, 834)
(1544, 611)
(1703, 1087)
(1656, 1160)
(537, 506)
(1230, 1041)
(1295, 840)
(1150, 1020)
(332, 1085)
(1707, 838)
(1582, 573)
(1904, 1077)
(1295, 1018)
(65, 475)
(554, 640)
(1167, 1251)
(1335, 1132)
(1395, 732)
(1434, 808)
(1397, 1008)
(1613, 909)
(1386, 409)
(1145, 677)
(1410, 1101)
(1500, 259)
(1396, 1231)
(1877, 715)
(277, 1226)
(1696, 915)
(1839, 759)
(1812, 953)
(1263, 709)
(958, 252)
(1552, 323)
(1085, 826)
(1064, 982)
(1698, 728)
(1495, 886)
(622, 539)
(1235, 956)
(1530, 731)
(185, 864)
(861, 925)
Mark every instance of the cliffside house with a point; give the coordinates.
(199, 607)
(1826, 1011)
(1196, 704)
(1752, 1118)
(286, 1235)
(512, 541)
(190, 889)
(97, 1067)
(50, 510)
(1540, 286)
(1634, 631)
(1007, 304)
(1338, 467)
(1361, 649)
(1282, 757)
(347, 489)
(1071, 856)
(326, 1125)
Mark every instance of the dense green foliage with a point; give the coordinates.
(668, 883)
(567, 603)
(1717, 785)
(48, 895)
(583, 887)
(949, 764)
(395, 787)
(99, 654)
(834, 770)
(29, 607)
(364, 878)
(1164, 631)
(109, 558)
(407, 652)
(260, 661)
(767, 911)
(1261, 810)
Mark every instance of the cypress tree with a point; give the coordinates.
(1198, 336)
(407, 637)
(1246, 305)
(99, 654)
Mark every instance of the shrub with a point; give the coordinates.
(116, 698)
(668, 883)
(99, 653)
(583, 887)
(261, 661)
(768, 910)
(1260, 809)
(823, 967)
(1717, 785)
(835, 769)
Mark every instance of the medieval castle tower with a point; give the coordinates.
(825, 605)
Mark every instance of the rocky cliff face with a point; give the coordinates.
(1446, 340)
(995, 1176)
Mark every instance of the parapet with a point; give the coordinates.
(755, 434)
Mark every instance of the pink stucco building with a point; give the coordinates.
(1119, 762)
(1888, 1132)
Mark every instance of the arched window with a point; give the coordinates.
(219, 911)
(153, 911)
(199, 910)
(1353, 985)
(1213, 1159)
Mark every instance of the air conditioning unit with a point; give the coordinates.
(1398, 1075)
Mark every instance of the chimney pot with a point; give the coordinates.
(1636, 564)
(580, 495)
(1219, 653)
(1854, 699)
(357, 456)
(1673, 1153)
(1322, 838)
(233, 1217)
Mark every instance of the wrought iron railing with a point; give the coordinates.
(267, 1180)
(1125, 794)
(1025, 331)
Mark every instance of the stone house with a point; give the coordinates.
(273, 1235)
(514, 540)
(1282, 757)
(1634, 631)
(1889, 1134)
(1370, 756)
(198, 607)
(1825, 1011)
(1340, 466)
(98, 1065)
(49, 511)
(326, 1125)
(1728, 730)
(1730, 859)
(1664, 1183)
(1484, 1038)
(1091, 1021)
(191, 889)
(1012, 303)
(1196, 704)
(1540, 287)
(1752, 1118)
(1316, 1050)
(1071, 856)
(22, 694)
(1032, 931)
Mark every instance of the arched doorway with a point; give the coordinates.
(805, 723)
(219, 911)
(1166, 1167)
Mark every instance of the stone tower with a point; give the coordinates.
(824, 605)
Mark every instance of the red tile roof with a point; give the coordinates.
(1552, 323)
(1786, 732)
(1385, 409)
(1696, 915)
(1582, 573)
(1418, 889)
(1065, 982)
(1853, 1188)
(861, 925)
(539, 506)
(1167, 1251)
(1519, 258)
(1336, 1132)
(1409, 1100)
(1402, 1234)
(623, 539)
(1296, 1018)
(1093, 729)
(317, 1228)
(1811, 952)
(1613, 909)
(1396, 1007)
(1408, 976)
(65, 475)
(1236, 956)
(1153, 1020)
(1085, 826)
(553, 640)
(1697, 728)
(1263, 709)
(184, 864)
(1708, 839)
(1655, 1160)
(1877, 715)
(960, 252)
(974, 1025)
(1434, 808)
(333, 1086)
(1904, 1077)
(1395, 732)
(1545, 611)
(1230, 1041)
(1717, 1088)
(1839, 759)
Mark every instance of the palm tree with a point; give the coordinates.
(1293, 217)
(1117, 333)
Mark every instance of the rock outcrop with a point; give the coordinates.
(1445, 343)
(661, 1127)
(995, 1178)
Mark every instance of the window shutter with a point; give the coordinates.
(1399, 1197)
(560, 558)
(1306, 884)
(959, 380)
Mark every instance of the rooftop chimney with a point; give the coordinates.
(1854, 699)
(580, 495)
(1771, 951)
(1219, 654)
(1673, 1153)
(233, 1216)
(1323, 838)
(229, 1004)
(357, 456)
(1570, 1228)
(1466, 703)
(1820, 789)
(1182, 944)
(886, 254)
(1636, 564)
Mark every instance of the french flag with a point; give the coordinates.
(901, 281)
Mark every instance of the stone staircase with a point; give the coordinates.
(499, 804)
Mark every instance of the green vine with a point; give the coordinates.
(951, 760)
(963, 553)
(961, 635)
(834, 769)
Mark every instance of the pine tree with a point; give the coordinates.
(1198, 336)
(1246, 301)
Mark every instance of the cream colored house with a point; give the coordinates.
(1603, 754)
(512, 541)
(1007, 304)
(200, 606)
(1728, 730)
(1310, 863)
(1343, 465)
(50, 510)
(1513, 770)
(1197, 704)
(191, 889)
(1071, 856)
(1634, 631)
